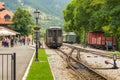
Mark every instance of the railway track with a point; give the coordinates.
(103, 54)
(83, 71)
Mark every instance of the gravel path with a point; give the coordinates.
(58, 67)
(98, 63)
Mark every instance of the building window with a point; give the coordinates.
(7, 17)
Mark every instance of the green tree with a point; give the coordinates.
(77, 16)
(82, 16)
(22, 20)
(68, 17)
(113, 7)
(97, 17)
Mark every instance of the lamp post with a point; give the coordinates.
(37, 12)
(36, 29)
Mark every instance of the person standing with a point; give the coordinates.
(28, 40)
(23, 40)
(12, 42)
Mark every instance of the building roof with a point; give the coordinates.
(7, 30)
(3, 13)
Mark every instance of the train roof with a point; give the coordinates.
(96, 32)
(70, 33)
(54, 28)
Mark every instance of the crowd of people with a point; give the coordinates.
(12, 41)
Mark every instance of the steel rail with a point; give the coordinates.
(68, 66)
(103, 54)
(79, 73)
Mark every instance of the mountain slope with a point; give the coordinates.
(51, 10)
(11, 4)
(53, 7)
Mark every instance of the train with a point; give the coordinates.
(54, 37)
(70, 37)
(97, 39)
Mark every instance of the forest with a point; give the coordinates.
(82, 16)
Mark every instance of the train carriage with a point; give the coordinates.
(98, 40)
(54, 38)
(70, 37)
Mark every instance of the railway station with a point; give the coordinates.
(60, 40)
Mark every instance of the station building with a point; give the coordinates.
(5, 15)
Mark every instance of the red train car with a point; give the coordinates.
(98, 40)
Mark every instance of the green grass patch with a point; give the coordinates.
(111, 53)
(40, 70)
(42, 55)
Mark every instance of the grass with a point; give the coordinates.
(111, 53)
(40, 70)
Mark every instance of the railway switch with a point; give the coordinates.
(114, 60)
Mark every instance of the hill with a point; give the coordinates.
(53, 7)
(51, 10)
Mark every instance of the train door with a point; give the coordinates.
(48, 36)
(59, 36)
(54, 36)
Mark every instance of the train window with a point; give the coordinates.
(49, 33)
(54, 33)
(59, 32)
(7, 17)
